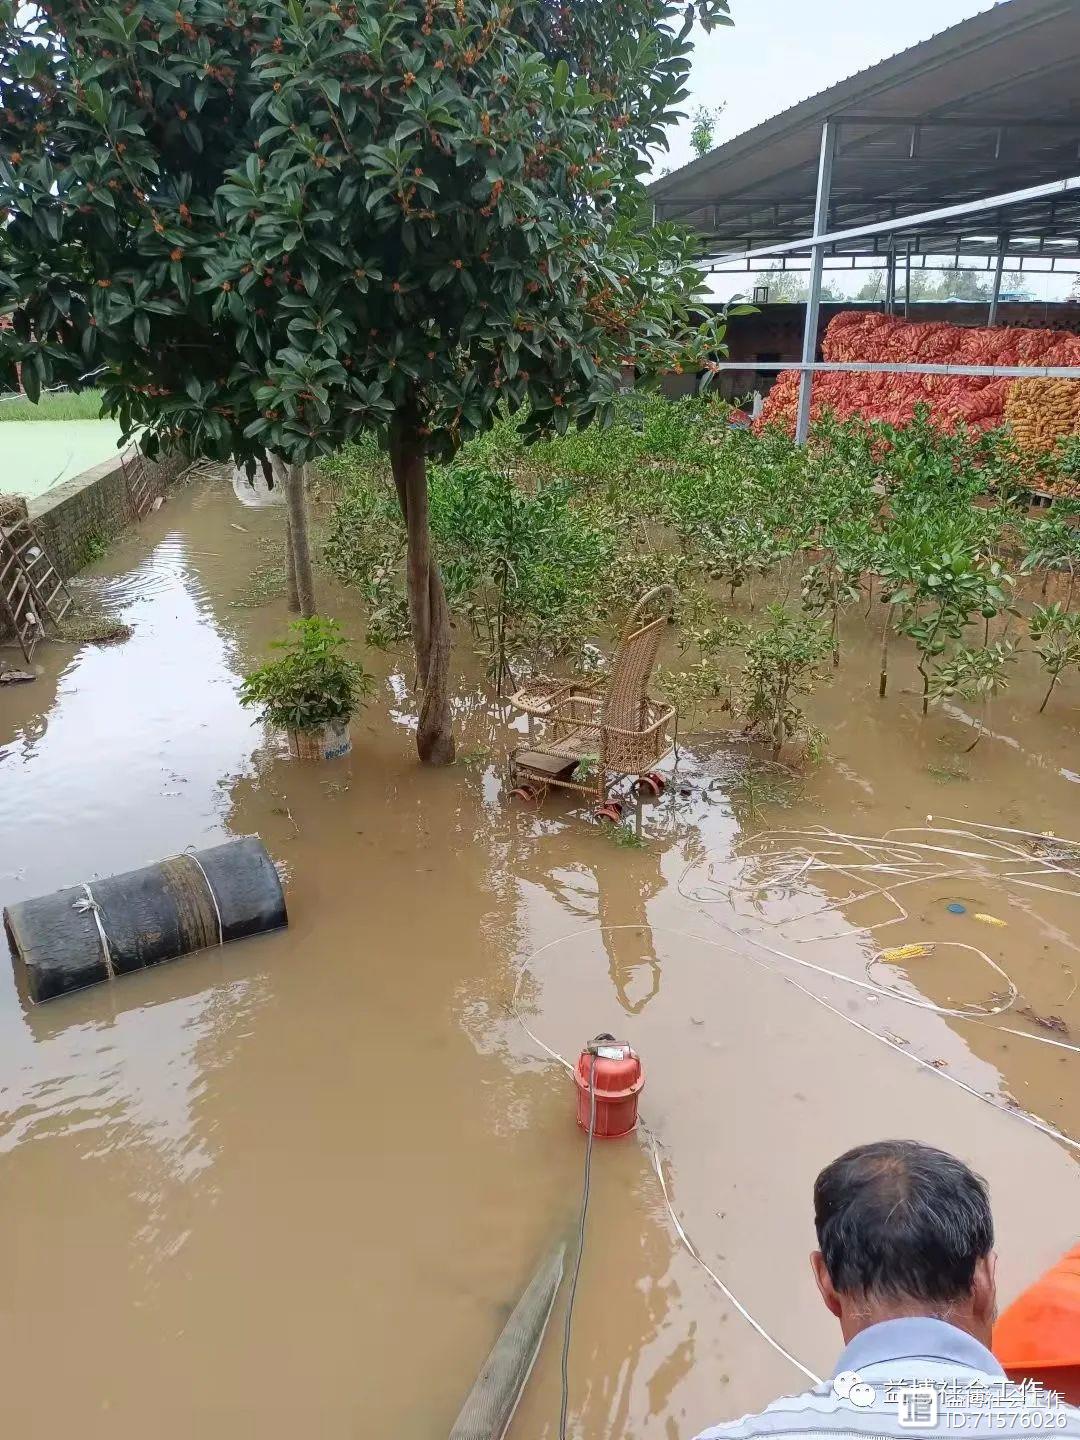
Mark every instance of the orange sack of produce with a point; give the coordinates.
(1040, 411)
(1038, 1336)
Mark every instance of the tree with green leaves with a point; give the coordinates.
(1055, 635)
(938, 580)
(781, 661)
(791, 287)
(875, 285)
(266, 227)
(703, 128)
(1053, 544)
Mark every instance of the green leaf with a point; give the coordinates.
(31, 383)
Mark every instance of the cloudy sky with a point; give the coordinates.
(778, 52)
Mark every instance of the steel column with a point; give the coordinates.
(813, 299)
(907, 283)
(995, 294)
(890, 278)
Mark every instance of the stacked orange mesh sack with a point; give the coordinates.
(978, 401)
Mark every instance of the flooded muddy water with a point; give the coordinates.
(296, 1184)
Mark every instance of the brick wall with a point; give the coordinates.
(93, 506)
(88, 508)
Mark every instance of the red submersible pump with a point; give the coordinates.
(609, 1071)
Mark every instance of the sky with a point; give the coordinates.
(778, 52)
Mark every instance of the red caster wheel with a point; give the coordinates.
(651, 784)
(527, 794)
(611, 811)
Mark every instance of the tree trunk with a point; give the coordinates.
(299, 543)
(1046, 697)
(429, 616)
(883, 671)
(291, 595)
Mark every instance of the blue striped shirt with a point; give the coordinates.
(913, 1376)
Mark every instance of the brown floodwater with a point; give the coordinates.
(296, 1184)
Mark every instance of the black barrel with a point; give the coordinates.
(189, 902)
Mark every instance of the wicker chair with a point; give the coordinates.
(595, 735)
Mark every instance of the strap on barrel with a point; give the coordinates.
(89, 905)
(190, 855)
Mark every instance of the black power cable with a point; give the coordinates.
(565, 1405)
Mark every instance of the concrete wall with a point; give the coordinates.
(89, 508)
(72, 518)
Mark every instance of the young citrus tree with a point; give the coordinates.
(267, 226)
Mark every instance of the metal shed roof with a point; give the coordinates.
(988, 106)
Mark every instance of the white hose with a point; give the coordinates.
(739, 1306)
(835, 843)
(967, 1013)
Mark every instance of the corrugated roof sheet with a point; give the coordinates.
(1013, 68)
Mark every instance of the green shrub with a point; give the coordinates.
(781, 664)
(526, 566)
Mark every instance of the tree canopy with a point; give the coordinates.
(705, 119)
(272, 224)
(266, 225)
(791, 286)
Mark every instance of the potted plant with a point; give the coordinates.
(312, 691)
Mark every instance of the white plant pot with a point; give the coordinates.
(328, 742)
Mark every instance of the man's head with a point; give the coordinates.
(904, 1229)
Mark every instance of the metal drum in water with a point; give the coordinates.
(104, 928)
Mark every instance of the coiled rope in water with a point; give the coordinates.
(901, 858)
